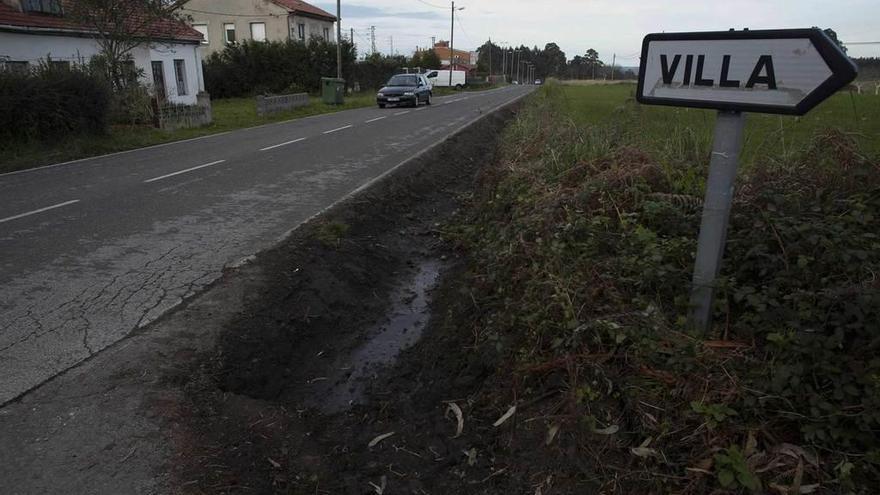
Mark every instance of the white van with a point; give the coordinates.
(440, 78)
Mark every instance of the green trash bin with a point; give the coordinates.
(333, 90)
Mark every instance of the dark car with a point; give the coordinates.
(405, 89)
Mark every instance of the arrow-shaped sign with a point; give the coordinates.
(787, 71)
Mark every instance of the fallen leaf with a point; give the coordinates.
(471, 455)
(611, 430)
(380, 489)
(751, 445)
(643, 451)
(378, 439)
(510, 412)
(551, 434)
(459, 416)
(273, 463)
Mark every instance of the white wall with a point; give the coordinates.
(167, 53)
(34, 48)
(314, 27)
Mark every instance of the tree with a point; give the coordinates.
(429, 59)
(119, 26)
(833, 35)
(552, 61)
(592, 62)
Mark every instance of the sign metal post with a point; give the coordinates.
(787, 71)
(726, 147)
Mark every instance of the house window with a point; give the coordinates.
(17, 67)
(180, 74)
(301, 31)
(258, 31)
(202, 28)
(229, 30)
(158, 79)
(326, 34)
(129, 72)
(42, 6)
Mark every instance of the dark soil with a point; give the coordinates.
(307, 375)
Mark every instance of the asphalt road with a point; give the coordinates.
(97, 248)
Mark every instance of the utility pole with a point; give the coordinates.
(613, 61)
(490, 59)
(339, 39)
(391, 41)
(373, 39)
(452, 45)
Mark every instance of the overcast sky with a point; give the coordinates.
(609, 26)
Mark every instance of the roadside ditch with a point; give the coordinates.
(336, 374)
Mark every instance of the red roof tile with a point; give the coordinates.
(298, 6)
(165, 29)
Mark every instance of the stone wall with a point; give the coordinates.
(267, 105)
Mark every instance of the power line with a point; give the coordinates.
(431, 5)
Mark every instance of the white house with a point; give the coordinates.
(34, 31)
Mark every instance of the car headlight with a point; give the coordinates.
(409, 93)
(380, 95)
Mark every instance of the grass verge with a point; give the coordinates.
(581, 243)
(229, 114)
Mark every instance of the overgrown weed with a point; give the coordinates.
(582, 240)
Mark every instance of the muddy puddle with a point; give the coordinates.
(401, 329)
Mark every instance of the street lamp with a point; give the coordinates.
(452, 44)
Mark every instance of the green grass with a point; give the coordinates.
(767, 136)
(229, 114)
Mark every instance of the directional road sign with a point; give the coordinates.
(786, 71)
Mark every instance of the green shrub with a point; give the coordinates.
(50, 103)
(250, 68)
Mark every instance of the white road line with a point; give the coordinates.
(41, 210)
(449, 103)
(340, 129)
(420, 109)
(401, 113)
(376, 119)
(154, 179)
(282, 144)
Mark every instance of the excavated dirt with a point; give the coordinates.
(353, 334)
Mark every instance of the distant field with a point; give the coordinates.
(596, 82)
(770, 137)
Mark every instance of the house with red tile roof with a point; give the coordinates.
(223, 22)
(42, 31)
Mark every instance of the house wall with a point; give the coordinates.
(33, 48)
(167, 53)
(239, 12)
(313, 27)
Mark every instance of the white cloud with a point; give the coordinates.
(609, 26)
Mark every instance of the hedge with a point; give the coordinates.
(51, 103)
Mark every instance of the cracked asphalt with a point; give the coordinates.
(95, 249)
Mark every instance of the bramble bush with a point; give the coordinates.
(583, 245)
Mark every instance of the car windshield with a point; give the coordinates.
(404, 80)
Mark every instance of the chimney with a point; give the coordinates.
(15, 4)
